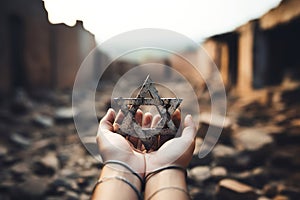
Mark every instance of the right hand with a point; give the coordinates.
(177, 151)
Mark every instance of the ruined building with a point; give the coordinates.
(261, 52)
(35, 54)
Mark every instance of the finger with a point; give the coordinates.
(176, 118)
(155, 120)
(188, 121)
(143, 149)
(139, 117)
(119, 117)
(190, 128)
(140, 150)
(118, 121)
(147, 120)
(107, 121)
(139, 145)
(133, 140)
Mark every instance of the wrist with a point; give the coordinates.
(168, 176)
(112, 170)
(168, 179)
(114, 183)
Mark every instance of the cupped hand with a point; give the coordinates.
(113, 146)
(177, 151)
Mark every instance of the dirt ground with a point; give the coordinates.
(42, 157)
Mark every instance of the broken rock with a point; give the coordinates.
(252, 140)
(218, 172)
(43, 121)
(47, 165)
(200, 173)
(20, 168)
(214, 122)
(20, 140)
(21, 104)
(232, 189)
(65, 114)
(33, 188)
(3, 151)
(224, 155)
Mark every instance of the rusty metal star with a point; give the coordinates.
(165, 107)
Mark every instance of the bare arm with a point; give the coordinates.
(114, 188)
(167, 184)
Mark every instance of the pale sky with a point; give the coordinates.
(196, 19)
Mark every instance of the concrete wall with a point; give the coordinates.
(35, 54)
(265, 49)
(222, 50)
(285, 12)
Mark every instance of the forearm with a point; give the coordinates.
(167, 184)
(113, 185)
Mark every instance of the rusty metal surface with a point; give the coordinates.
(165, 108)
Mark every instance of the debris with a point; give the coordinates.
(3, 151)
(245, 155)
(21, 168)
(214, 119)
(252, 140)
(232, 189)
(72, 195)
(218, 172)
(33, 188)
(215, 122)
(65, 114)
(20, 140)
(43, 121)
(271, 189)
(224, 155)
(200, 173)
(47, 165)
(21, 103)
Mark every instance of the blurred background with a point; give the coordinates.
(254, 44)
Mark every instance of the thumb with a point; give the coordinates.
(107, 121)
(189, 131)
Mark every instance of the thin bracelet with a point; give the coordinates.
(125, 166)
(171, 187)
(120, 179)
(165, 168)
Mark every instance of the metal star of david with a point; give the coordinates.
(165, 107)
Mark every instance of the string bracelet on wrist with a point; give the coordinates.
(149, 175)
(171, 187)
(126, 167)
(124, 180)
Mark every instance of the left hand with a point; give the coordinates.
(113, 146)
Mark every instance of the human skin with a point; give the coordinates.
(177, 151)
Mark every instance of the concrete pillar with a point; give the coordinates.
(37, 54)
(224, 63)
(245, 60)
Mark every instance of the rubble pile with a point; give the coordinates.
(41, 155)
(256, 155)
